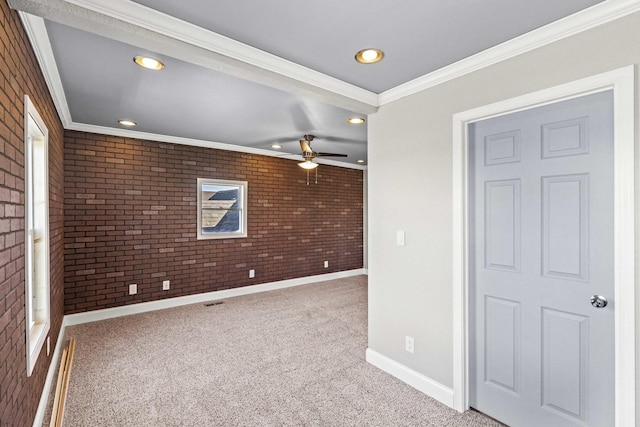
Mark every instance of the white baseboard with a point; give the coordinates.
(415, 379)
(109, 313)
(51, 376)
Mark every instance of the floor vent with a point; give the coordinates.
(209, 304)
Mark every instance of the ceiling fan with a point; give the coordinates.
(308, 155)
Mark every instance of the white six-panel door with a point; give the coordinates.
(541, 243)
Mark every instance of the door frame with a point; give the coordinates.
(622, 82)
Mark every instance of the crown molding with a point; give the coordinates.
(142, 17)
(126, 133)
(584, 20)
(37, 33)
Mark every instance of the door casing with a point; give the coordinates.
(622, 83)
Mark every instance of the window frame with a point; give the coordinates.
(243, 196)
(37, 292)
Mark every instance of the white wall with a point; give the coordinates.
(410, 188)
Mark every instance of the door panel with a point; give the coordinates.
(502, 352)
(564, 361)
(502, 225)
(565, 138)
(565, 237)
(541, 243)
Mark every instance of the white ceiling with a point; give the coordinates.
(243, 74)
(418, 36)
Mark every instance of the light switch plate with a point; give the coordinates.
(400, 238)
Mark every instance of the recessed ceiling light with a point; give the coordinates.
(360, 161)
(276, 146)
(356, 120)
(149, 63)
(127, 123)
(369, 56)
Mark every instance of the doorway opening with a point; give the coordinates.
(621, 83)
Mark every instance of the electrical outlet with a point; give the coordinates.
(408, 344)
(166, 285)
(252, 274)
(133, 289)
(326, 264)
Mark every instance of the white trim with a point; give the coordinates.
(141, 16)
(230, 51)
(243, 197)
(151, 19)
(37, 33)
(584, 20)
(51, 375)
(415, 379)
(156, 137)
(38, 317)
(136, 14)
(110, 313)
(622, 83)
(624, 247)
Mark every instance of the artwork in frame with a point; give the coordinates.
(222, 209)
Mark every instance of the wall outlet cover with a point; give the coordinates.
(408, 344)
(133, 289)
(166, 285)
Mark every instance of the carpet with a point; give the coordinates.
(291, 357)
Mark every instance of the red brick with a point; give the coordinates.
(149, 208)
(20, 74)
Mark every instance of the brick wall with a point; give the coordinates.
(130, 217)
(20, 75)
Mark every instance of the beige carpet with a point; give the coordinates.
(293, 357)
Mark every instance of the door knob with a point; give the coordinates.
(598, 301)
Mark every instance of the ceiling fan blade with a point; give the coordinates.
(330, 155)
(342, 140)
(306, 148)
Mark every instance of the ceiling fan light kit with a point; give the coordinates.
(308, 155)
(308, 164)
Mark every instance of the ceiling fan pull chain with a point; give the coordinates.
(316, 175)
(307, 176)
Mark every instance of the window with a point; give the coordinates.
(222, 209)
(37, 303)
